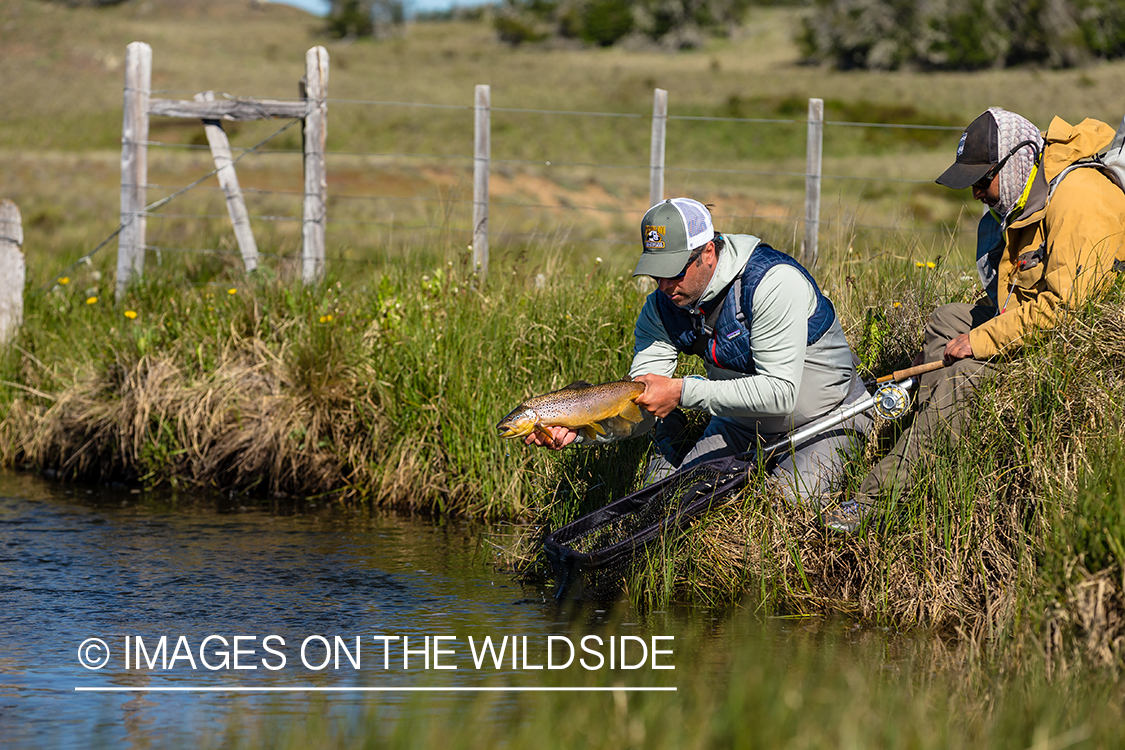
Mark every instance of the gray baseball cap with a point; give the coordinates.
(669, 232)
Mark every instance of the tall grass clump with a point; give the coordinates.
(1083, 590)
(385, 386)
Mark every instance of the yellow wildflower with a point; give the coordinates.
(232, 291)
(64, 280)
(931, 264)
(91, 300)
(131, 314)
(919, 264)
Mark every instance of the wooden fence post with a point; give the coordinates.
(134, 163)
(482, 154)
(13, 270)
(656, 152)
(315, 91)
(812, 182)
(228, 180)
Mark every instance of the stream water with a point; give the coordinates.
(246, 599)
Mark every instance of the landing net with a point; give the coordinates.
(592, 556)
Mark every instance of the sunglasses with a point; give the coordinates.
(695, 255)
(983, 183)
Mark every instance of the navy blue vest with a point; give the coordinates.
(728, 345)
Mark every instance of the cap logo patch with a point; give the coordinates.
(961, 145)
(654, 237)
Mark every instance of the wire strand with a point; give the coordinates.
(121, 227)
(149, 211)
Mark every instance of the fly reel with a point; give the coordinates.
(891, 400)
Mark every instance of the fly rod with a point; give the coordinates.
(890, 400)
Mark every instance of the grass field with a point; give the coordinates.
(59, 141)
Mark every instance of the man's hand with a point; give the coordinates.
(560, 438)
(661, 396)
(958, 348)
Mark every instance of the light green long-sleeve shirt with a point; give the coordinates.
(793, 384)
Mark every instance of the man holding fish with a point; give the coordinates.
(775, 354)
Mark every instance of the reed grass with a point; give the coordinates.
(752, 684)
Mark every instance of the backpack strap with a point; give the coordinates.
(738, 313)
(705, 326)
(1096, 162)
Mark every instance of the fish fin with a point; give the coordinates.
(618, 427)
(544, 433)
(576, 385)
(593, 429)
(631, 412)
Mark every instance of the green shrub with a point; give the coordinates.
(358, 18)
(674, 24)
(961, 34)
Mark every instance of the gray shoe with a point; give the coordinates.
(847, 517)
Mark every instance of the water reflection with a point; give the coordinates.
(78, 564)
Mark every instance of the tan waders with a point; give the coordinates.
(943, 400)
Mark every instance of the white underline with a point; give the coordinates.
(310, 689)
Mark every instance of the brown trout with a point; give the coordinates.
(579, 406)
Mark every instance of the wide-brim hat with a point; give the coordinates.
(978, 152)
(669, 232)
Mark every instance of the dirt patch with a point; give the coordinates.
(588, 201)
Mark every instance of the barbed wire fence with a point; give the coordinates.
(311, 107)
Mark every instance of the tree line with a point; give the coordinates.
(962, 34)
(673, 24)
(847, 34)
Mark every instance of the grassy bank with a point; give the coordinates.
(1016, 530)
(385, 387)
(384, 383)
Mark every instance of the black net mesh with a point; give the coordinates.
(592, 556)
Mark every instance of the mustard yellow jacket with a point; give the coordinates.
(1062, 248)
